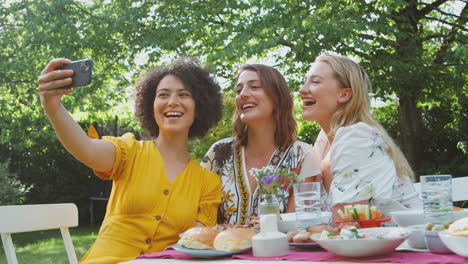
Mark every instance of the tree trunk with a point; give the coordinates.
(116, 126)
(410, 130)
(409, 49)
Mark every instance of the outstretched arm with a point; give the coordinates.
(96, 154)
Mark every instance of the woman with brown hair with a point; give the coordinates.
(158, 190)
(264, 134)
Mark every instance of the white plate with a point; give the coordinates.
(288, 221)
(365, 247)
(416, 217)
(405, 246)
(205, 253)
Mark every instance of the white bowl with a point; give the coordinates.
(457, 244)
(288, 221)
(416, 217)
(434, 243)
(365, 247)
(416, 237)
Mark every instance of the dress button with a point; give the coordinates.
(148, 241)
(166, 192)
(158, 217)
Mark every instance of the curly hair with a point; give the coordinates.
(205, 92)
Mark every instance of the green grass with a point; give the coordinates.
(46, 247)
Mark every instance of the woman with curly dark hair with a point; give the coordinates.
(158, 190)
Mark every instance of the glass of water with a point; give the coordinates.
(437, 198)
(307, 199)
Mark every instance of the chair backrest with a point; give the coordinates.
(459, 188)
(26, 218)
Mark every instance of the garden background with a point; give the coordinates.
(415, 52)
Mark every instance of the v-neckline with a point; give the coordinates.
(166, 178)
(323, 146)
(180, 175)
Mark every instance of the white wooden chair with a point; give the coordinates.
(27, 218)
(459, 188)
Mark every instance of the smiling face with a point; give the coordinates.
(174, 107)
(321, 94)
(252, 101)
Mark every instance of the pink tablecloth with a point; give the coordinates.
(320, 255)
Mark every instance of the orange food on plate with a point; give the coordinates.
(303, 237)
(362, 214)
(376, 214)
(318, 228)
(359, 212)
(366, 223)
(291, 234)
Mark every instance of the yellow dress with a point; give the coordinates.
(146, 213)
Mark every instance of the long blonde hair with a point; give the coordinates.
(357, 109)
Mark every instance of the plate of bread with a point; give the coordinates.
(205, 253)
(303, 239)
(206, 242)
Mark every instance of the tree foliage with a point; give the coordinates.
(12, 191)
(414, 50)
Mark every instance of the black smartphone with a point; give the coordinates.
(83, 72)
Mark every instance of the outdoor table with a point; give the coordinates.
(426, 257)
(241, 261)
(226, 261)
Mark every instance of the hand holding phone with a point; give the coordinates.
(83, 72)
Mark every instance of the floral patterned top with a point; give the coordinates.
(238, 199)
(363, 170)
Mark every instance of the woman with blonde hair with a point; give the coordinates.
(264, 134)
(360, 162)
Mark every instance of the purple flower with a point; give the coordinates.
(267, 180)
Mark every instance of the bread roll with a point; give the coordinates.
(318, 228)
(198, 238)
(303, 237)
(291, 234)
(233, 239)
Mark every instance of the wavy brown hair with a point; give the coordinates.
(205, 92)
(276, 87)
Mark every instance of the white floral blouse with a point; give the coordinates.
(363, 170)
(238, 200)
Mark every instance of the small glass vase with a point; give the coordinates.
(269, 204)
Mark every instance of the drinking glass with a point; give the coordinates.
(437, 198)
(307, 199)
